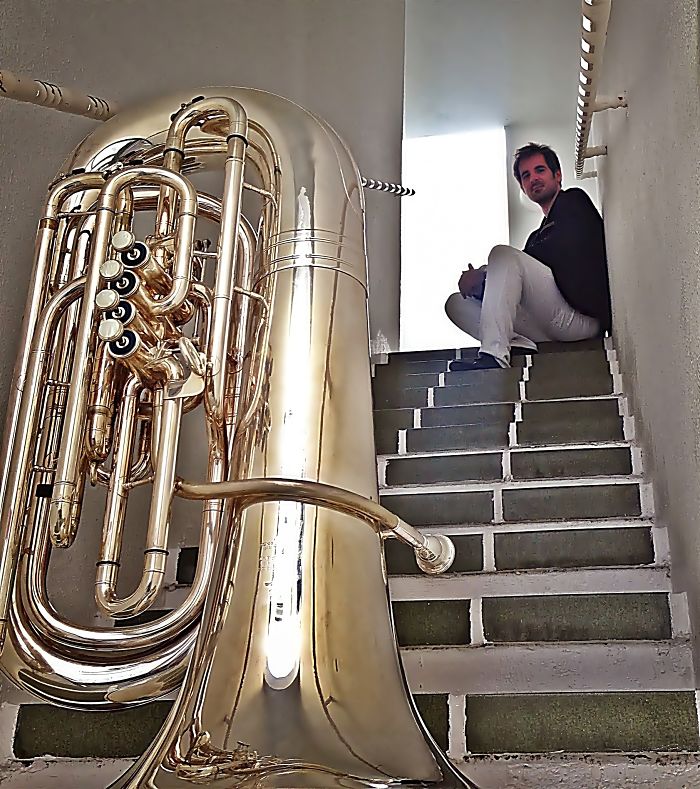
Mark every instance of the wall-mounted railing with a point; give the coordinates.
(48, 94)
(594, 29)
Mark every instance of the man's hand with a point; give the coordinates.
(472, 281)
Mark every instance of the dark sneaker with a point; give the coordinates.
(517, 350)
(484, 361)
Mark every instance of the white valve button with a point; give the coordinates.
(110, 329)
(111, 269)
(107, 299)
(123, 240)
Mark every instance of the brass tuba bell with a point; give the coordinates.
(138, 335)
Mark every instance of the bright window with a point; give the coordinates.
(459, 211)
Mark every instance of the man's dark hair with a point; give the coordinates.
(531, 149)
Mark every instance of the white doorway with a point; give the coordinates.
(459, 211)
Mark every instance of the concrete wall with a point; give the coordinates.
(342, 59)
(650, 188)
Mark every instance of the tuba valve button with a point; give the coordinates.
(111, 269)
(110, 329)
(107, 299)
(123, 240)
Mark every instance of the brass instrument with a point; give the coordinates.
(283, 653)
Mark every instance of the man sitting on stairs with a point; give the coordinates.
(556, 289)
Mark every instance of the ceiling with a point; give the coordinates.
(478, 63)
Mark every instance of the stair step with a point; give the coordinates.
(398, 367)
(432, 439)
(484, 378)
(543, 422)
(498, 414)
(446, 468)
(44, 729)
(543, 464)
(551, 618)
(595, 722)
(520, 502)
(601, 501)
(570, 384)
(573, 548)
(524, 465)
(421, 356)
(582, 544)
(584, 361)
(572, 420)
(432, 622)
(407, 381)
(660, 769)
(429, 509)
(416, 397)
(594, 617)
(663, 769)
(562, 667)
(537, 550)
(545, 526)
(497, 386)
(506, 583)
(582, 722)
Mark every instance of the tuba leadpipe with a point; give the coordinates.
(283, 654)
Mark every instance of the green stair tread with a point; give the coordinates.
(432, 622)
(501, 414)
(447, 468)
(573, 548)
(547, 464)
(571, 501)
(432, 708)
(43, 729)
(437, 439)
(502, 389)
(591, 722)
(431, 509)
(577, 617)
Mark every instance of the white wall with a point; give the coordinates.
(650, 187)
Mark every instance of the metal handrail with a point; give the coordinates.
(594, 29)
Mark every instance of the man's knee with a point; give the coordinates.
(503, 255)
(452, 305)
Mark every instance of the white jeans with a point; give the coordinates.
(522, 306)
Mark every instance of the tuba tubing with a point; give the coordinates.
(286, 666)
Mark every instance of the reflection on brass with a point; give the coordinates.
(283, 653)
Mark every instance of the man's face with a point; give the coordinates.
(537, 180)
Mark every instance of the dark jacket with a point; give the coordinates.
(571, 242)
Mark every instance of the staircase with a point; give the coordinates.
(554, 652)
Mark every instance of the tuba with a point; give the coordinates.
(163, 371)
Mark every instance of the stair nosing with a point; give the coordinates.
(531, 583)
(513, 484)
(513, 450)
(570, 524)
(572, 667)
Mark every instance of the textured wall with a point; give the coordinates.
(650, 187)
(342, 59)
